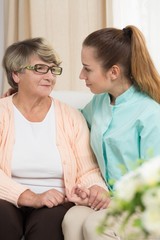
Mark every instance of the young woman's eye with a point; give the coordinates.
(87, 70)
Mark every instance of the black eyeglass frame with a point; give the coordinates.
(53, 69)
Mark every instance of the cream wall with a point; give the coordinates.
(145, 14)
(65, 23)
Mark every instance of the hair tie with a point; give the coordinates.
(127, 32)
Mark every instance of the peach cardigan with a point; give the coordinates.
(78, 161)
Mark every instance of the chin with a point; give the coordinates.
(95, 91)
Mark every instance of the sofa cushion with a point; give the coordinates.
(76, 99)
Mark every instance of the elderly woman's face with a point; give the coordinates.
(35, 81)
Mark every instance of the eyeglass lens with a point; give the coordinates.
(41, 68)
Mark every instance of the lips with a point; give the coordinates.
(88, 85)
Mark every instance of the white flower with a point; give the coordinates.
(128, 186)
(150, 171)
(151, 220)
(152, 197)
(137, 200)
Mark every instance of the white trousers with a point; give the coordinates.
(80, 223)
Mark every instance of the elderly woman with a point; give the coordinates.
(44, 148)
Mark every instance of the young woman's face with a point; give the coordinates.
(96, 78)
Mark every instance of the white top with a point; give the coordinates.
(36, 160)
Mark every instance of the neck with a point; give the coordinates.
(33, 109)
(118, 90)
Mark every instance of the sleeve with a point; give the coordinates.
(150, 135)
(87, 112)
(9, 189)
(88, 172)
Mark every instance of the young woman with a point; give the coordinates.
(123, 117)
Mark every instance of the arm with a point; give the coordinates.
(20, 195)
(88, 172)
(73, 139)
(150, 134)
(9, 189)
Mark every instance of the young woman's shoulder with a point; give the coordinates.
(98, 99)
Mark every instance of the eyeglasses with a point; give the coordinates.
(42, 68)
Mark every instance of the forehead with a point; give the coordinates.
(88, 55)
(35, 59)
(88, 51)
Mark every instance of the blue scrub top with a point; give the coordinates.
(123, 133)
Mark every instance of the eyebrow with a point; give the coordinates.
(86, 65)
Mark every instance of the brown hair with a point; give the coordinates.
(127, 48)
(17, 55)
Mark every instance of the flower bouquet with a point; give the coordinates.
(135, 207)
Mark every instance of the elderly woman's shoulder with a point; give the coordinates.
(65, 108)
(5, 102)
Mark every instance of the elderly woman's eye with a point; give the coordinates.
(40, 67)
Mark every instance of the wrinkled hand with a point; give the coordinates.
(98, 197)
(74, 197)
(49, 199)
(81, 191)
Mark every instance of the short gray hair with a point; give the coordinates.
(17, 55)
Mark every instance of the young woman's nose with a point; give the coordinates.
(82, 75)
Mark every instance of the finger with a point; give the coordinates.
(59, 198)
(83, 189)
(101, 205)
(97, 198)
(92, 197)
(82, 194)
(56, 194)
(101, 201)
(73, 190)
(56, 200)
(106, 204)
(69, 196)
(76, 199)
(55, 197)
(49, 204)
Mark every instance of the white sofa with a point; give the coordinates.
(76, 99)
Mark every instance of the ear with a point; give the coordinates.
(114, 72)
(15, 76)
